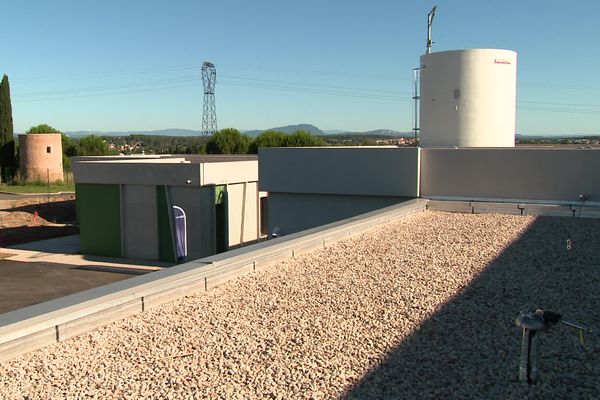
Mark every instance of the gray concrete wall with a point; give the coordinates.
(243, 213)
(295, 212)
(370, 171)
(528, 174)
(138, 222)
(221, 173)
(198, 204)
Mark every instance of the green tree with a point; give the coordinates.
(228, 141)
(303, 139)
(92, 145)
(7, 141)
(268, 139)
(69, 149)
(42, 128)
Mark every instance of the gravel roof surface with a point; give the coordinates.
(421, 308)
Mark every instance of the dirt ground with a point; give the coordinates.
(28, 218)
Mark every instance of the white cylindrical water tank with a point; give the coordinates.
(468, 98)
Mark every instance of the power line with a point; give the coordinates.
(560, 104)
(313, 85)
(274, 85)
(102, 74)
(585, 88)
(243, 67)
(106, 87)
(108, 93)
(313, 91)
(139, 86)
(559, 110)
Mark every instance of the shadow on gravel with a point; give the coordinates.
(470, 347)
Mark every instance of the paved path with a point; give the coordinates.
(26, 283)
(66, 250)
(39, 271)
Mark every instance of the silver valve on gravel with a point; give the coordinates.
(532, 324)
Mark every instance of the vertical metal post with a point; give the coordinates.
(416, 97)
(529, 363)
(430, 17)
(48, 182)
(533, 324)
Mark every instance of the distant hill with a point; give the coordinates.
(289, 129)
(318, 132)
(253, 133)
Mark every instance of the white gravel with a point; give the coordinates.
(422, 308)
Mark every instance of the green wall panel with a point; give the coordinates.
(221, 221)
(99, 214)
(166, 251)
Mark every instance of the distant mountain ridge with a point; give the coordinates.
(316, 131)
(253, 133)
(289, 129)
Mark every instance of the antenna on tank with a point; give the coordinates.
(429, 23)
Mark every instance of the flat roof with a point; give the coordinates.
(210, 158)
(422, 307)
(192, 158)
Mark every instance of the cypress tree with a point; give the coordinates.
(7, 141)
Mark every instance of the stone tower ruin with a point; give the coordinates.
(41, 157)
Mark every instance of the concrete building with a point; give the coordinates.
(40, 157)
(313, 186)
(125, 205)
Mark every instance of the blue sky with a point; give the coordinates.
(135, 65)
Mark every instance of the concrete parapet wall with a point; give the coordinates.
(32, 327)
(366, 171)
(40, 157)
(295, 212)
(517, 175)
(576, 209)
